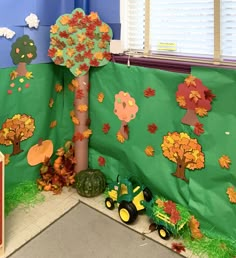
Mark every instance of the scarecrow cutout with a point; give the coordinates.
(125, 109)
(184, 151)
(196, 98)
(79, 41)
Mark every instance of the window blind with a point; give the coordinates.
(228, 29)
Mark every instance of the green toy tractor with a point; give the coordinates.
(128, 194)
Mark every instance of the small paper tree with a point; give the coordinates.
(125, 109)
(79, 41)
(23, 52)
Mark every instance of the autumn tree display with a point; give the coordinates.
(184, 151)
(79, 41)
(196, 98)
(15, 130)
(125, 108)
(23, 52)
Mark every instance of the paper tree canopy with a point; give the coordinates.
(79, 41)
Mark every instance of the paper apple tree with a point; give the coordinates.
(196, 98)
(22, 53)
(15, 130)
(125, 108)
(184, 151)
(79, 41)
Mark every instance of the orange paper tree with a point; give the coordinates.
(16, 129)
(79, 41)
(184, 151)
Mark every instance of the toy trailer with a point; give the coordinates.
(164, 226)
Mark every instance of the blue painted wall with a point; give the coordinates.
(13, 14)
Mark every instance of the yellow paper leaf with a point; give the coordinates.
(60, 152)
(13, 75)
(51, 102)
(29, 75)
(58, 88)
(195, 96)
(53, 124)
(201, 111)
(87, 133)
(93, 16)
(72, 113)
(64, 19)
(224, 161)
(75, 83)
(104, 28)
(70, 52)
(98, 55)
(71, 87)
(232, 194)
(149, 151)
(75, 120)
(78, 72)
(120, 138)
(160, 203)
(100, 97)
(54, 29)
(82, 108)
(81, 37)
(181, 101)
(190, 81)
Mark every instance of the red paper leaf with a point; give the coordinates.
(178, 247)
(52, 52)
(94, 62)
(106, 128)
(84, 67)
(152, 128)
(209, 95)
(79, 94)
(198, 129)
(175, 216)
(169, 206)
(64, 34)
(149, 92)
(77, 137)
(101, 161)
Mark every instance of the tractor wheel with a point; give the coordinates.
(127, 212)
(163, 232)
(109, 203)
(147, 194)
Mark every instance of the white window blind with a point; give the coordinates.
(180, 27)
(228, 29)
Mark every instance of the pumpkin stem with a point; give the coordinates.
(40, 141)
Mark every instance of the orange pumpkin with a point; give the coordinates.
(38, 152)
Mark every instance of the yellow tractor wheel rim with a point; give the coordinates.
(124, 214)
(108, 204)
(162, 233)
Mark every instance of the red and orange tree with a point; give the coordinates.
(79, 41)
(15, 130)
(184, 151)
(196, 98)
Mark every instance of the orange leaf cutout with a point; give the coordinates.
(201, 111)
(181, 101)
(82, 108)
(195, 96)
(160, 203)
(75, 120)
(6, 159)
(53, 124)
(51, 102)
(100, 97)
(87, 133)
(58, 88)
(194, 228)
(13, 75)
(190, 81)
(149, 151)
(224, 161)
(232, 194)
(120, 138)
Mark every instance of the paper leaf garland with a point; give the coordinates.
(196, 98)
(224, 161)
(79, 41)
(232, 194)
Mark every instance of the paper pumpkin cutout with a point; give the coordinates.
(15, 130)
(23, 52)
(184, 151)
(79, 41)
(195, 97)
(125, 108)
(38, 152)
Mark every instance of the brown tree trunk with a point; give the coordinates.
(180, 170)
(190, 118)
(81, 147)
(21, 69)
(16, 146)
(124, 130)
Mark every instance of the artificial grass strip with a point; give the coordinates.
(25, 193)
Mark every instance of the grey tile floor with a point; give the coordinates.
(84, 232)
